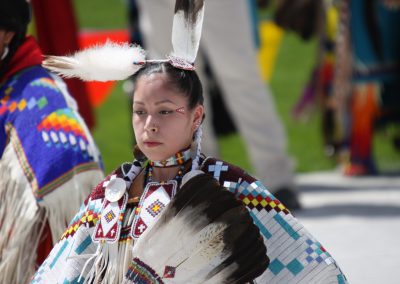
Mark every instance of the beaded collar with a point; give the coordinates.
(178, 159)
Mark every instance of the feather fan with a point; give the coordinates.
(204, 235)
(186, 28)
(108, 62)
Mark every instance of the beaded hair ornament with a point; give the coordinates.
(118, 61)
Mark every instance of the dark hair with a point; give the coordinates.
(15, 16)
(185, 81)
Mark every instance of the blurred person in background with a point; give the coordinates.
(230, 54)
(374, 97)
(48, 160)
(356, 80)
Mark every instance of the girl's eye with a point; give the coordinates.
(165, 112)
(139, 112)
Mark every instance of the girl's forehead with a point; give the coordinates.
(154, 81)
(156, 87)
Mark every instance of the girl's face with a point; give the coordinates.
(162, 121)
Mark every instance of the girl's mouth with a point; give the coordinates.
(151, 144)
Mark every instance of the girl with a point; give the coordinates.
(130, 210)
(167, 116)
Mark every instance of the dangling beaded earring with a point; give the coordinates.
(197, 143)
(5, 52)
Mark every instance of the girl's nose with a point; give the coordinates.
(153, 128)
(151, 124)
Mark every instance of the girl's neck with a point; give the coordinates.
(164, 174)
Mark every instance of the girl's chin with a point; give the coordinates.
(153, 156)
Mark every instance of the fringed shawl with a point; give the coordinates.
(295, 255)
(48, 166)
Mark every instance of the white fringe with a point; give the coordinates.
(109, 264)
(22, 219)
(20, 225)
(62, 204)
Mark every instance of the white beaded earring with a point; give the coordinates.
(5, 52)
(197, 143)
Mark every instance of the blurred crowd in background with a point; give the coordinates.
(355, 82)
(356, 78)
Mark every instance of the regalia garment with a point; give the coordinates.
(48, 163)
(106, 232)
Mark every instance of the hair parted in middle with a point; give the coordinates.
(185, 81)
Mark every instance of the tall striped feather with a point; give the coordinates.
(186, 28)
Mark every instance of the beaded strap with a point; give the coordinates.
(140, 272)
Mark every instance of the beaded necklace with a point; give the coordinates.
(178, 177)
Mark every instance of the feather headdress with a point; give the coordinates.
(114, 61)
(111, 61)
(186, 32)
(204, 235)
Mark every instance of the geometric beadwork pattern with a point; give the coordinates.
(316, 252)
(295, 257)
(254, 196)
(231, 186)
(286, 227)
(155, 208)
(217, 169)
(154, 199)
(140, 272)
(294, 266)
(169, 272)
(88, 215)
(61, 128)
(109, 216)
(109, 226)
(83, 245)
(45, 83)
(22, 105)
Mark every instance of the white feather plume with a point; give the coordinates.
(108, 62)
(186, 29)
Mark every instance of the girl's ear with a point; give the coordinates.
(198, 116)
(8, 37)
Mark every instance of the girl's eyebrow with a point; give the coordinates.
(157, 103)
(165, 101)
